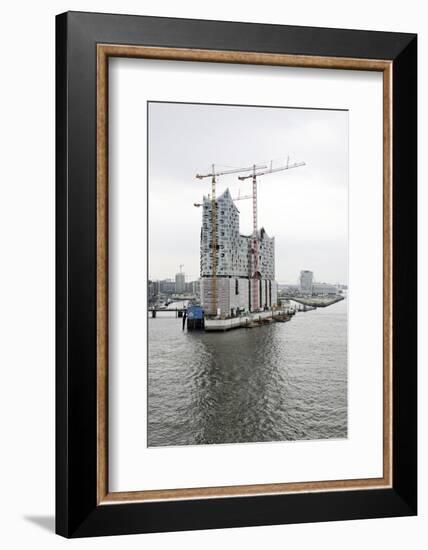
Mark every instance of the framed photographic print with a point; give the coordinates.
(236, 243)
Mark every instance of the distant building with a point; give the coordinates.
(324, 288)
(153, 289)
(193, 287)
(235, 287)
(180, 283)
(289, 288)
(306, 281)
(167, 286)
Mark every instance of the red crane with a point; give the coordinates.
(255, 273)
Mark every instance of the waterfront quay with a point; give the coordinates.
(249, 320)
(246, 319)
(316, 301)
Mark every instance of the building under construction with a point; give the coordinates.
(237, 271)
(229, 284)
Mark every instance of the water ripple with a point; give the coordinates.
(279, 382)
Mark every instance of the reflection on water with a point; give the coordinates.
(285, 381)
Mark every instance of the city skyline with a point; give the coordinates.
(189, 279)
(304, 209)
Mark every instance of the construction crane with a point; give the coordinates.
(238, 198)
(214, 175)
(241, 198)
(255, 246)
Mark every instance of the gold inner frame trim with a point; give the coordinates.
(104, 51)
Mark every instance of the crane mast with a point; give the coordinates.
(255, 250)
(213, 242)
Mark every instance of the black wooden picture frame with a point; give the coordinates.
(79, 510)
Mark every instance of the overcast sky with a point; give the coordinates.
(305, 209)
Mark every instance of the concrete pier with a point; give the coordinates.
(243, 320)
(316, 301)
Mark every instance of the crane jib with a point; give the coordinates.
(214, 173)
(272, 170)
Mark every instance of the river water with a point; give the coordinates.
(278, 382)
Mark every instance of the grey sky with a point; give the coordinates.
(305, 209)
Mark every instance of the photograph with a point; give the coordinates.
(247, 274)
(212, 274)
